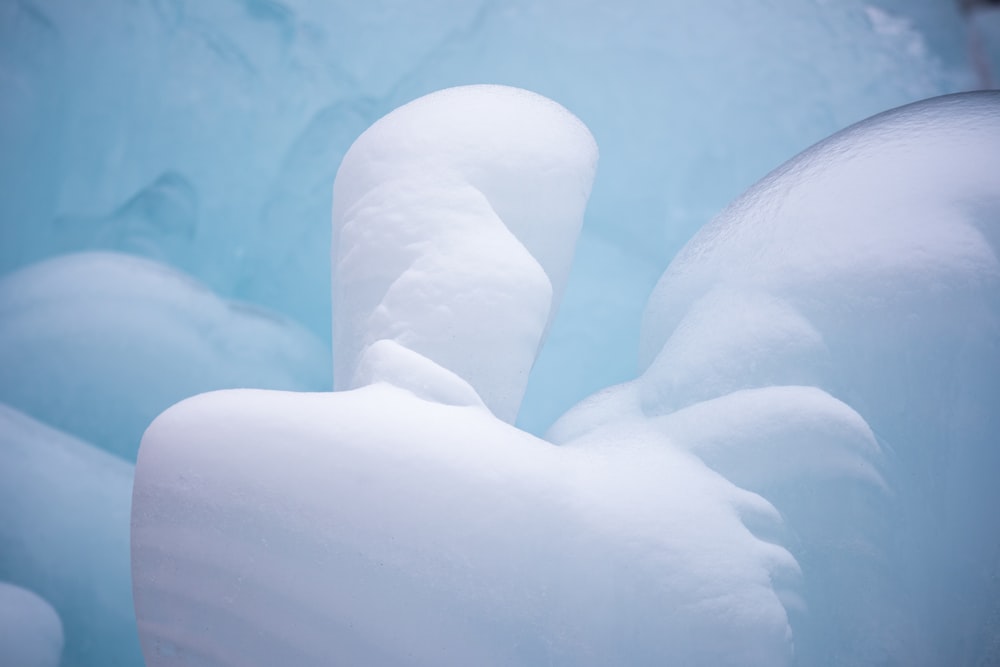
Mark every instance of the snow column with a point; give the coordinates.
(455, 218)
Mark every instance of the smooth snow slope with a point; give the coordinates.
(30, 631)
(207, 134)
(64, 534)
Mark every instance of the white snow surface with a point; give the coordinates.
(236, 114)
(30, 630)
(375, 527)
(455, 218)
(97, 344)
(893, 211)
(799, 475)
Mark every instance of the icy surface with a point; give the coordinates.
(64, 534)
(455, 219)
(30, 630)
(97, 344)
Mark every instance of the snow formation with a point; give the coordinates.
(830, 342)
(97, 344)
(64, 534)
(207, 134)
(754, 497)
(455, 219)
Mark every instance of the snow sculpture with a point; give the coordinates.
(30, 631)
(791, 355)
(404, 503)
(441, 237)
(97, 344)
(172, 174)
(64, 524)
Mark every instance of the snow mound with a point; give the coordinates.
(30, 630)
(375, 527)
(97, 344)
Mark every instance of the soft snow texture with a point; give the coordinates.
(403, 523)
(830, 341)
(64, 534)
(97, 344)
(455, 219)
(798, 476)
(30, 630)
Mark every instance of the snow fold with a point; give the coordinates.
(455, 218)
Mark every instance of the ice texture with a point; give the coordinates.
(64, 534)
(97, 344)
(30, 630)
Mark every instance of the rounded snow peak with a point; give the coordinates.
(870, 222)
(455, 218)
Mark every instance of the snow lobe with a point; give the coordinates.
(97, 344)
(455, 218)
(403, 523)
(30, 630)
(829, 341)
